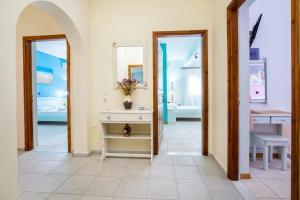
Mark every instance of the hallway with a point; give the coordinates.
(182, 138)
(59, 176)
(52, 137)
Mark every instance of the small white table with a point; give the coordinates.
(269, 141)
(131, 117)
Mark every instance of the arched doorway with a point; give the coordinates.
(78, 76)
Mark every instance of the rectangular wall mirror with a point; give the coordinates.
(131, 62)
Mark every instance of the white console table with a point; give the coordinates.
(270, 138)
(270, 117)
(122, 117)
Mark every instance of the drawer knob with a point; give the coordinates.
(140, 117)
(108, 117)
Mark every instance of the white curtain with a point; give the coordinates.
(193, 87)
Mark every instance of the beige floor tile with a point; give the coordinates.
(85, 197)
(192, 190)
(76, 185)
(33, 196)
(137, 171)
(26, 165)
(280, 186)
(211, 172)
(259, 189)
(261, 173)
(25, 180)
(132, 188)
(63, 197)
(45, 166)
(183, 160)
(181, 137)
(104, 186)
(49, 183)
(223, 190)
(113, 170)
(204, 161)
(89, 169)
(187, 172)
(117, 161)
(162, 160)
(120, 198)
(107, 187)
(162, 171)
(67, 168)
(139, 161)
(162, 189)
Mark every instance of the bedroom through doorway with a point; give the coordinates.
(180, 85)
(49, 129)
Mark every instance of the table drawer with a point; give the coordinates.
(117, 117)
(261, 120)
(281, 120)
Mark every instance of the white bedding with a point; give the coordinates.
(175, 112)
(51, 104)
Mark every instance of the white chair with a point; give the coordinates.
(269, 141)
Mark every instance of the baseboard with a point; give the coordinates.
(96, 152)
(245, 176)
(21, 148)
(75, 154)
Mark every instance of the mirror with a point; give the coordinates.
(130, 61)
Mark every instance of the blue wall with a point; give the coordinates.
(58, 87)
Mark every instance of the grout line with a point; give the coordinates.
(178, 195)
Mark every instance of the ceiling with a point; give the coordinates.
(181, 48)
(56, 48)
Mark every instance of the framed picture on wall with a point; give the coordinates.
(258, 81)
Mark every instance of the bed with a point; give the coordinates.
(185, 112)
(52, 109)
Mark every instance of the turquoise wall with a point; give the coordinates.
(165, 83)
(52, 65)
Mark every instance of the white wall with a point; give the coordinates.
(273, 39)
(134, 20)
(219, 104)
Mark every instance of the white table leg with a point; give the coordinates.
(253, 150)
(265, 157)
(284, 151)
(270, 153)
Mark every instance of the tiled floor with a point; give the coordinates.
(269, 184)
(52, 137)
(182, 137)
(59, 176)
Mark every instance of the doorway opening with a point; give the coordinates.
(47, 93)
(180, 93)
(262, 82)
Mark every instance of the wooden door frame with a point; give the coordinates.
(205, 110)
(27, 81)
(233, 91)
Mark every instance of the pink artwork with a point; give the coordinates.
(257, 82)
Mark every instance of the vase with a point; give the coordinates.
(127, 102)
(127, 130)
